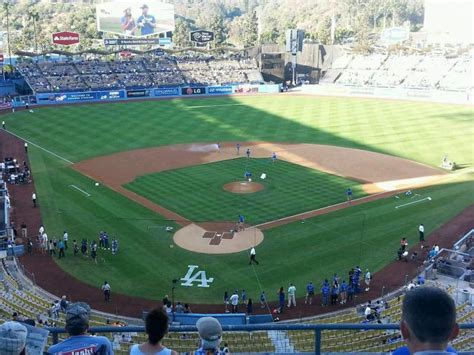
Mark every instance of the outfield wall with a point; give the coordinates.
(453, 97)
(150, 93)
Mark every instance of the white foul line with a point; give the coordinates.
(222, 105)
(413, 202)
(81, 190)
(40, 147)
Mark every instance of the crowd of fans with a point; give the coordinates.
(428, 324)
(137, 73)
(424, 71)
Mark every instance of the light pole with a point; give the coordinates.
(6, 6)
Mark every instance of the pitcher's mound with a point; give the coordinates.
(243, 187)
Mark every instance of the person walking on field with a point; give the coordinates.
(33, 198)
(253, 254)
(4, 126)
(61, 249)
(309, 293)
(421, 231)
(106, 290)
(367, 279)
(26, 148)
(65, 239)
(291, 296)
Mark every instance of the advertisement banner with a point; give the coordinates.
(134, 18)
(194, 91)
(68, 97)
(138, 93)
(201, 36)
(166, 92)
(246, 89)
(66, 38)
(111, 95)
(219, 90)
(130, 41)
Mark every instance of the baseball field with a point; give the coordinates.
(157, 166)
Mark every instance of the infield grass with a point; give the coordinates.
(197, 193)
(297, 252)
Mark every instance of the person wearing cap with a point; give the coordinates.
(428, 322)
(77, 324)
(13, 338)
(210, 335)
(156, 327)
(146, 22)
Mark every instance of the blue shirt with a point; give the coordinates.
(81, 344)
(325, 290)
(343, 287)
(349, 192)
(310, 288)
(404, 350)
(147, 28)
(241, 219)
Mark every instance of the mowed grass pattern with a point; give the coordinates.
(197, 193)
(367, 235)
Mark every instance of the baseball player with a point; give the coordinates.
(349, 194)
(238, 148)
(274, 157)
(146, 22)
(248, 152)
(241, 222)
(421, 230)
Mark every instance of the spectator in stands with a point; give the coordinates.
(428, 321)
(210, 334)
(13, 338)
(179, 308)
(63, 304)
(368, 312)
(187, 309)
(156, 327)
(77, 324)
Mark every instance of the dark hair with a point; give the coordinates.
(430, 313)
(156, 325)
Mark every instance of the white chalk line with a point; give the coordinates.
(321, 208)
(413, 202)
(40, 147)
(81, 190)
(209, 106)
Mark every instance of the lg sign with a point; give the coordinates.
(66, 38)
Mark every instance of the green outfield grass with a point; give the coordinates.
(297, 252)
(197, 193)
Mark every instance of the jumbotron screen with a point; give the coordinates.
(135, 18)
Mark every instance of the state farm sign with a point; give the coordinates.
(66, 38)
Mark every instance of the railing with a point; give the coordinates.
(317, 328)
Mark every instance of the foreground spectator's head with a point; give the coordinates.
(429, 319)
(156, 325)
(77, 318)
(13, 338)
(210, 332)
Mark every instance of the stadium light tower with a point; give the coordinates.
(6, 6)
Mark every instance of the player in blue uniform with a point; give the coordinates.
(274, 157)
(309, 293)
(349, 194)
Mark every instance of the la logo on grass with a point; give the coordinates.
(200, 276)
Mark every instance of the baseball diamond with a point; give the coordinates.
(161, 168)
